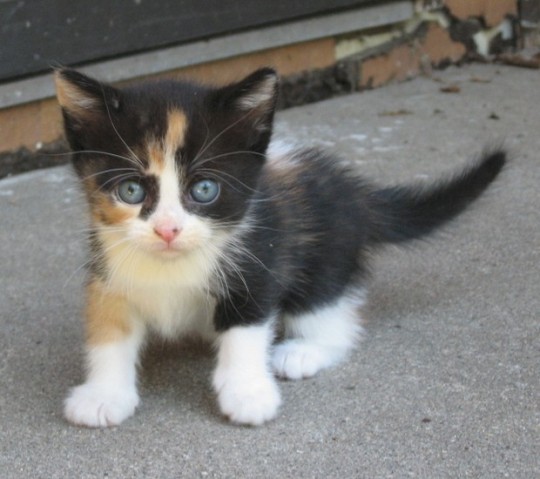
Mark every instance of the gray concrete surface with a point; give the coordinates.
(445, 385)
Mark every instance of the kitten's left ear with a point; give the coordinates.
(254, 98)
(86, 104)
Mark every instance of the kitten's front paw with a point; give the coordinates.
(96, 406)
(245, 399)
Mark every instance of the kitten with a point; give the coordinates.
(196, 229)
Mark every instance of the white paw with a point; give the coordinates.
(98, 406)
(296, 359)
(246, 399)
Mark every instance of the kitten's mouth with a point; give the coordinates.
(169, 250)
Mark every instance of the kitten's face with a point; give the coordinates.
(168, 168)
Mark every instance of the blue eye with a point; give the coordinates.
(205, 191)
(131, 192)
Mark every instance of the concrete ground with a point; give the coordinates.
(445, 385)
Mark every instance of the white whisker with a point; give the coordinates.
(114, 179)
(197, 164)
(97, 152)
(103, 172)
(135, 157)
(221, 133)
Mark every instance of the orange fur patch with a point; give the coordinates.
(106, 211)
(107, 315)
(156, 157)
(159, 150)
(102, 208)
(177, 124)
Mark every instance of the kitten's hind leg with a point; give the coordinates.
(318, 339)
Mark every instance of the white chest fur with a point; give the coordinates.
(171, 295)
(174, 312)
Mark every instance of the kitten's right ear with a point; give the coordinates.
(82, 97)
(254, 98)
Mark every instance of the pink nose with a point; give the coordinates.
(167, 233)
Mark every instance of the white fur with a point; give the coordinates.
(264, 93)
(194, 231)
(280, 150)
(247, 391)
(169, 210)
(109, 395)
(171, 294)
(319, 339)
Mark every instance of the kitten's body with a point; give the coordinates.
(197, 230)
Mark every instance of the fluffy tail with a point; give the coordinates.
(403, 213)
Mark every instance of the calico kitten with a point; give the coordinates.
(196, 228)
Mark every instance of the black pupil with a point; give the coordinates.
(205, 188)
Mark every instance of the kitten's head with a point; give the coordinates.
(167, 166)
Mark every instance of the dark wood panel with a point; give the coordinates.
(530, 10)
(35, 34)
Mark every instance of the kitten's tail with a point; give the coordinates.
(403, 213)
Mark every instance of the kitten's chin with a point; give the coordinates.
(168, 254)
